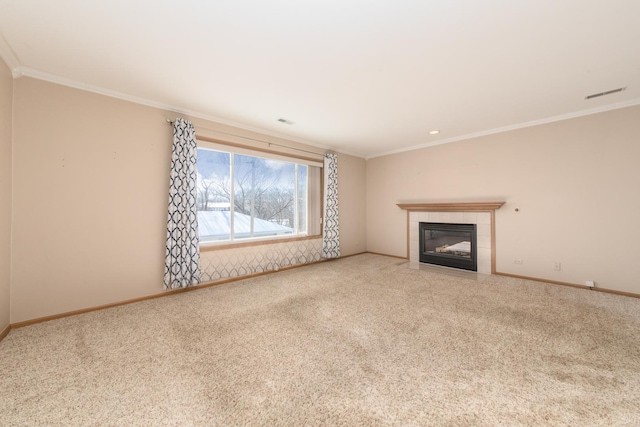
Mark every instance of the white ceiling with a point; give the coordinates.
(362, 77)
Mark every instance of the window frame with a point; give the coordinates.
(235, 148)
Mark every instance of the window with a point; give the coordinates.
(249, 195)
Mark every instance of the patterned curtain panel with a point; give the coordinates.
(330, 226)
(182, 260)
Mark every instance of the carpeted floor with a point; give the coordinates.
(363, 341)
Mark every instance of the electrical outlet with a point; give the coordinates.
(557, 266)
(590, 283)
(518, 261)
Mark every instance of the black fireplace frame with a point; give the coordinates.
(448, 260)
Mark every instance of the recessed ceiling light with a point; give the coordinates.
(286, 121)
(434, 132)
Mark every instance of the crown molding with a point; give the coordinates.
(17, 71)
(532, 123)
(9, 57)
(52, 78)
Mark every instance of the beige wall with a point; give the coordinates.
(352, 198)
(575, 183)
(90, 179)
(90, 195)
(6, 97)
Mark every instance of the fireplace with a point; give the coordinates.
(449, 245)
(482, 214)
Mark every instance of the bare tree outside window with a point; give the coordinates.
(214, 183)
(265, 194)
(264, 189)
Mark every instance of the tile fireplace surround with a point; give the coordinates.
(480, 213)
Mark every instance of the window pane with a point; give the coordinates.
(214, 195)
(243, 196)
(302, 199)
(263, 197)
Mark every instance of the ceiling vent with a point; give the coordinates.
(609, 92)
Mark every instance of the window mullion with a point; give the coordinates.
(232, 200)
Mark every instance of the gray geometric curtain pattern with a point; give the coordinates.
(182, 259)
(330, 226)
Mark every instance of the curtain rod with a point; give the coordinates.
(171, 122)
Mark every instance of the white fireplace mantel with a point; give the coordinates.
(480, 213)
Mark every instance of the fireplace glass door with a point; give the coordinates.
(450, 245)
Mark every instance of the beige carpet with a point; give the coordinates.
(362, 341)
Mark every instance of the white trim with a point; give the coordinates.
(561, 117)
